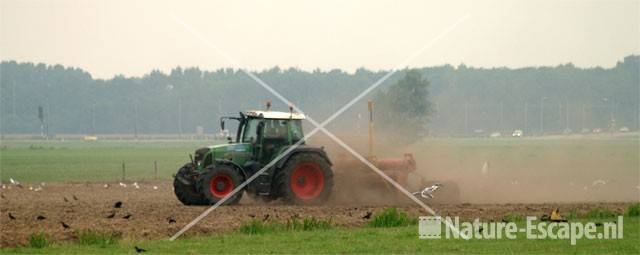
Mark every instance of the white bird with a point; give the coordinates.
(428, 191)
(30, 188)
(37, 189)
(106, 185)
(14, 182)
(155, 187)
(485, 169)
(4, 186)
(42, 184)
(135, 184)
(123, 185)
(598, 183)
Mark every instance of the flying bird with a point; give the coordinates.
(139, 250)
(64, 225)
(368, 215)
(428, 191)
(118, 205)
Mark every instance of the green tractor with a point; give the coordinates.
(303, 176)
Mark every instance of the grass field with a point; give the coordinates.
(75, 160)
(361, 240)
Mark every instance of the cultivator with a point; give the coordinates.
(400, 169)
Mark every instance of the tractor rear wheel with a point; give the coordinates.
(187, 193)
(218, 182)
(307, 178)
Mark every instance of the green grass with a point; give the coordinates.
(633, 210)
(358, 240)
(101, 239)
(36, 160)
(39, 240)
(257, 227)
(390, 217)
(600, 213)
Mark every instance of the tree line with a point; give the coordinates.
(462, 100)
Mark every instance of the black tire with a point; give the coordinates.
(225, 178)
(296, 192)
(187, 194)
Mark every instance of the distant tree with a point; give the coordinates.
(403, 110)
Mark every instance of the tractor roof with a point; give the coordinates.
(275, 115)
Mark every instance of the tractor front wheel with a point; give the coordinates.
(218, 182)
(185, 188)
(307, 178)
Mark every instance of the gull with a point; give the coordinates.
(123, 185)
(14, 182)
(135, 184)
(155, 187)
(428, 191)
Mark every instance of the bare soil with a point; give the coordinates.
(152, 210)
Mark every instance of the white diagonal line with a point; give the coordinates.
(317, 126)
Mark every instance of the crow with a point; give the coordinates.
(127, 216)
(64, 225)
(40, 217)
(118, 205)
(368, 215)
(139, 250)
(75, 198)
(171, 220)
(110, 216)
(11, 216)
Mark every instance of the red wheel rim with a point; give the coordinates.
(307, 181)
(221, 185)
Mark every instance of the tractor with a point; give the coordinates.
(302, 176)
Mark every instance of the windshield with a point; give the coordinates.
(250, 130)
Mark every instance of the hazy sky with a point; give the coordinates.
(133, 37)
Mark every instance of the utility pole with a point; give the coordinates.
(180, 116)
(501, 116)
(525, 117)
(135, 121)
(466, 118)
(93, 119)
(542, 115)
(584, 116)
(566, 115)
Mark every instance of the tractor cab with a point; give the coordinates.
(266, 132)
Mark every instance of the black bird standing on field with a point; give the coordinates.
(127, 216)
(11, 216)
(40, 217)
(368, 215)
(118, 205)
(75, 198)
(110, 216)
(64, 225)
(139, 250)
(171, 220)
